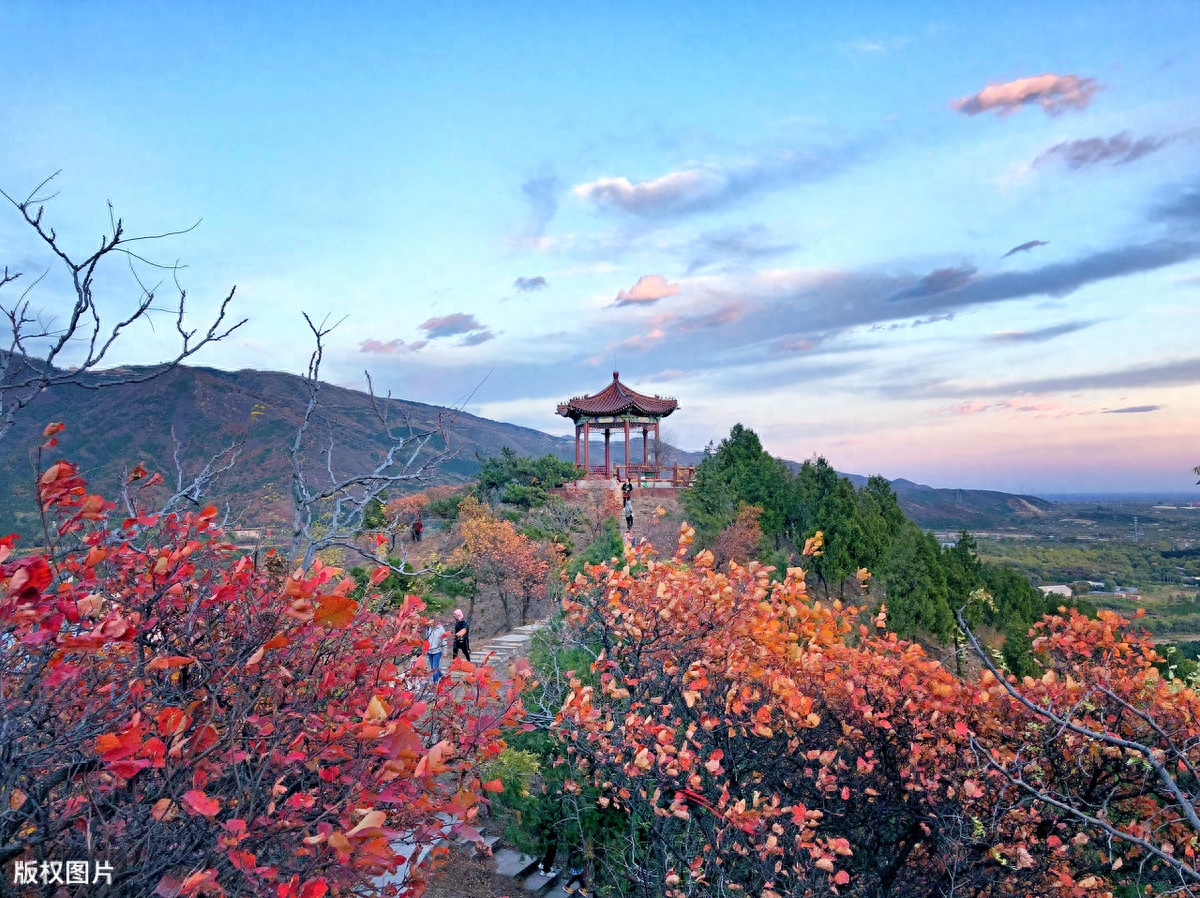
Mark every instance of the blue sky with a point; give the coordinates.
(794, 216)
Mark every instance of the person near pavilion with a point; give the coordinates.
(628, 514)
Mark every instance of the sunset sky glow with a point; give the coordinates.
(957, 243)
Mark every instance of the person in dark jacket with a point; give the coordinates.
(462, 636)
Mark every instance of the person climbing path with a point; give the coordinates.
(462, 636)
(437, 642)
(629, 514)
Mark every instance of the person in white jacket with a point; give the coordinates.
(437, 642)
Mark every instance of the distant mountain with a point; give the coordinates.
(949, 509)
(111, 430)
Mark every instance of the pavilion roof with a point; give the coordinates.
(617, 399)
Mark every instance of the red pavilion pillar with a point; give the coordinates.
(587, 445)
(577, 444)
(628, 460)
(607, 460)
(645, 447)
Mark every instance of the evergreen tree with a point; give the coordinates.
(825, 501)
(964, 572)
(738, 472)
(881, 519)
(917, 595)
(521, 480)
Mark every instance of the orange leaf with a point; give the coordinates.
(339, 843)
(162, 663)
(493, 786)
(164, 810)
(335, 611)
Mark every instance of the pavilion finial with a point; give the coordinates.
(616, 374)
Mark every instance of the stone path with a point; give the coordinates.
(496, 652)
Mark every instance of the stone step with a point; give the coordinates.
(512, 863)
(536, 881)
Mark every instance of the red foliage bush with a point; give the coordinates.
(170, 708)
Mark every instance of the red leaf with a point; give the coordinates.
(314, 888)
(127, 769)
(199, 803)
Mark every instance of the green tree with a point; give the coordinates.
(738, 472)
(964, 572)
(825, 501)
(522, 480)
(917, 594)
(880, 518)
(1015, 607)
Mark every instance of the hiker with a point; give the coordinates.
(626, 490)
(547, 829)
(628, 514)
(462, 636)
(437, 641)
(418, 527)
(576, 873)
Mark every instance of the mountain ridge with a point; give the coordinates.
(191, 412)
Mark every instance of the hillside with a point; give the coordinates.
(948, 509)
(110, 430)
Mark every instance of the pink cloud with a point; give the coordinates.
(970, 407)
(1028, 406)
(848, 441)
(649, 289)
(391, 347)
(1054, 93)
(451, 325)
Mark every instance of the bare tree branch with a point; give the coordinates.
(332, 515)
(32, 360)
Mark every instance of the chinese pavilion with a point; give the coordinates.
(616, 407)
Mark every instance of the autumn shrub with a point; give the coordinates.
(754, 740)
(505, 567)
(206, 726)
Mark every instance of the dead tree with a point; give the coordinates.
(39, 343)
(328, 509)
